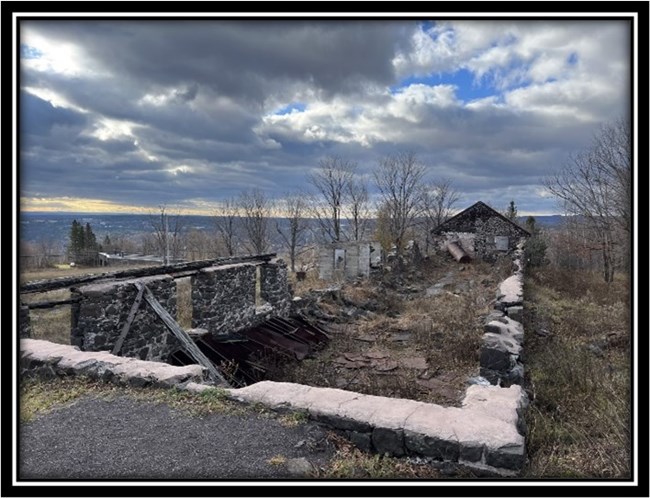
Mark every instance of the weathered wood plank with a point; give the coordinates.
(188, 344)
(60, 283)
(129, 320)
(51, 304)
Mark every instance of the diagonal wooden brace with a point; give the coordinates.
(188, 344)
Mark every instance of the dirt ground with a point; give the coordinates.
(412, 335)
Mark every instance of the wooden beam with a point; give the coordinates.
(188, 344)
(51, 304)
(129, 320)
(61, 283)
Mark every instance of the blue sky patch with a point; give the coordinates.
(27, 52)
(288, 109)
(572, 60)
(463, 79)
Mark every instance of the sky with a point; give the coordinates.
(128, 115)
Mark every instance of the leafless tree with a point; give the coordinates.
(357, 208)
(227, 222)
(399, 179)
(294, 209)
(201, 245)
(167, 232)
(595, 186)
(332, 183)
(256, 208)
(438, 200)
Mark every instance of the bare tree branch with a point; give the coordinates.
(256, 209)
(228, 225)
(595, 186)
(332, 182)
(294, 208)
(399, 179)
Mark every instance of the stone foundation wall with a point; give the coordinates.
(98, 318)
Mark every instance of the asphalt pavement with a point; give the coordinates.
(130, 439)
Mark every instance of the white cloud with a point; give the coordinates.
(58, 57)
(54, 98)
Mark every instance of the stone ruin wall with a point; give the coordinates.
(98, 318)
(223, 300)
(357, 260)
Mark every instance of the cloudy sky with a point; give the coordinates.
(132, 114)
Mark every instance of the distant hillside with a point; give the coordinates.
(55, 227)
(551, 221)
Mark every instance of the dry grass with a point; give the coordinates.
(50, 324)
(38, 396)
(579, 376)
(184, 302)
(352, 463)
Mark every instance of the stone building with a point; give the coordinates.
(481, 232)
(347, 259)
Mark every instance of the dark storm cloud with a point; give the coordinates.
(239, 59)
(40, 117)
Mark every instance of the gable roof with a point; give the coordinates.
(476, 210)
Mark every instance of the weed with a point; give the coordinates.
(294, 419)
(277, 460)
(352, 463)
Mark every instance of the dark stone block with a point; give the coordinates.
(360, 439)
(342, 423)
(388, 441)
(138, 382)
(471, 453)
(492, 376)
(433, 447)
(507, 457)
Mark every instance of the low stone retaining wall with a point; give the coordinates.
(47, 359)
(485, 435)
(502, 347)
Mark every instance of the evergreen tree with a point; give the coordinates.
(75, 247)
(511, 212)
(83, 244)
(535, 245)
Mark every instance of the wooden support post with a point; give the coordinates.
(190, 347)
(129, 320)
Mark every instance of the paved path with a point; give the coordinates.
(125, 438)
